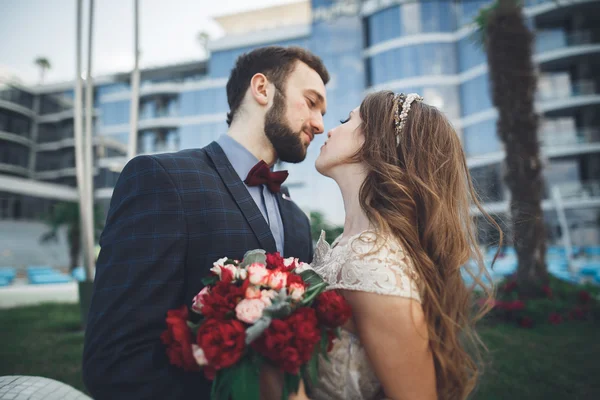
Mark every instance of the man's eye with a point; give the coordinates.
(311, 103)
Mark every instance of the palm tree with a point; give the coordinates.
(135, 83)
(44, 64)
(508, 43)
(203, 38)
(67, 215)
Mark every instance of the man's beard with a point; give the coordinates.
(287, 144)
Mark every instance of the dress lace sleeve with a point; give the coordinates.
(378, 265)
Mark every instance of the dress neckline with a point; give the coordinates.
(335, 244)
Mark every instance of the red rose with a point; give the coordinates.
(515, 305)
(577, 313)
(178, 339)
(509, 286)
(547, 291)
(555, 318)
(290, 342)
(584, 297)
(275, 261)
(526, 322)
(293, 278)
(223, 342)
(332, 309)
(222, 299)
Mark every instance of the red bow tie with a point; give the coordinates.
(261, 174)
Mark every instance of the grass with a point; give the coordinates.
(548, 362)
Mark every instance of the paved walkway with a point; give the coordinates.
(20, 294)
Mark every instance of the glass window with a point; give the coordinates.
(410, 61)
(488, 182)
(481, 138)
(470, 53)
(14, 154)
(205, 101)
(111, 88)
(475, 95)
(115, 113)
(222, 62)
(411, 18)
(197, 136)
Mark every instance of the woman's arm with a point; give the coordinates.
(393, 332)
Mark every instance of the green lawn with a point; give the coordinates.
(548, 362)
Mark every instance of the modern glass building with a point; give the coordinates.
(425, 46)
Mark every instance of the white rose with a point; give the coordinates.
(253, 292)
(217, 266)
(302, 266)
(258, 274)
(266, 296)
(249, 310)
(242, 274)
(198, 301)
(199, 355)
(296, 291)
(277, 280)
(290, 261)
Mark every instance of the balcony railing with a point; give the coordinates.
(582, 136)
(561, 91)
(555, 40)
(579, 190)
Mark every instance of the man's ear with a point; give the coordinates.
(259, 85)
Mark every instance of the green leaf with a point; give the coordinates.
(313, 367)
(254, 332)
(324, 342)
(291, 383)
(246, 380)
(254, 256)
(310, 277)
(210, 280)
(312, 292)
(193, 327)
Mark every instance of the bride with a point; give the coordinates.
(407, 196)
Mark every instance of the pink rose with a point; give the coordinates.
(277, 280)
(253, 292)
(296, 291)
(199, 355)
(220, 265)
(249, 310)
(258, 274)
(198, 301)
(290, 263)
(266, 296)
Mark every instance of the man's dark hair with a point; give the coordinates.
(275, 62)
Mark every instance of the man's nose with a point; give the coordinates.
(316, 124)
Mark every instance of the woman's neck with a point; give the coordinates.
(350, 182)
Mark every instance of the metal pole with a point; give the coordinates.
(135, 86)
(89, 156)
(78, 130)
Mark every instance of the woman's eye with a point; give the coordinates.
(343, 121)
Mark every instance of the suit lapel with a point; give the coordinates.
(285, 209)
(240, 194)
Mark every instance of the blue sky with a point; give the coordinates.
(168, 28)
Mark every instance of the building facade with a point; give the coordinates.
(427, 47)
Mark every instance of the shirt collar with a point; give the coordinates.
(240, 158)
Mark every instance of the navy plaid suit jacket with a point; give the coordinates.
(171, 216)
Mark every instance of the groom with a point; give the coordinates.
(172, 215)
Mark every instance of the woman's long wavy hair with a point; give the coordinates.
(420, 191)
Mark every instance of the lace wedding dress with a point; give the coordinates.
(368, 264)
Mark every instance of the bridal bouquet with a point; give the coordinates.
(264, 309)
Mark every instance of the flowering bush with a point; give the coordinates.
(262, 309)
(555, 303)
